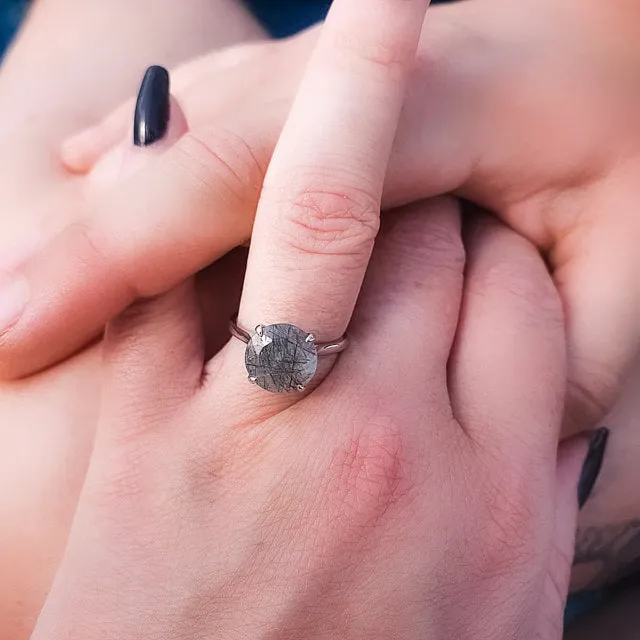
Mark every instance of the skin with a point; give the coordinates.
(314, 515)
(577, 208)
(608, 541)
(47, 421)
(65, 421)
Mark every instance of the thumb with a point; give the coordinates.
(578, 465)
(173, 211)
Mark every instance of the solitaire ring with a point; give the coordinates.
(282, 358)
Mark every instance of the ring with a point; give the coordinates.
(282, 358)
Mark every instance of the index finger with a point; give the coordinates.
(185, 209)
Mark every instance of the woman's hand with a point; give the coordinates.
(413, 491)
(528, 108)
(71, 64)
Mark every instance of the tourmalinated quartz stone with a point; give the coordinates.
(281, 358)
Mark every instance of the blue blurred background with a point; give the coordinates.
(11, 12)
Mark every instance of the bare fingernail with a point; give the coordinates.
(14, 295)
(592, 465)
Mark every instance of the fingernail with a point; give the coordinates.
(592, 464)
(14, 295)
(152, 108)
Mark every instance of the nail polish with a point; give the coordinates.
(14, 295)
(152, 107)
(592, 464)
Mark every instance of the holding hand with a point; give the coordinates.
(525, 108)
(415, 492)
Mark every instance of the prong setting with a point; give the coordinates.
(281, 358)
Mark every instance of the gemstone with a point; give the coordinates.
(281, 358)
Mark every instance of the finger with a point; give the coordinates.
(158, 123)
(153, 355)
(181, 212)
(151, 119)
(507, 377)
(571, 457)
(138, 155)
(157, 110)
(409, 307)
(80, 153)
(597, 274)
(319, 211)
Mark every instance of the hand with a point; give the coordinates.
(523, 108)
(72, 62)
(375, 504)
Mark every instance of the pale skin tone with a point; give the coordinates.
(558, 204)
(72, 437)
(47, 421)
(212, 509)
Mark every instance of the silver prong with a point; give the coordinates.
(253, 379)
(300, 387)
(310, 338)
(260, 329)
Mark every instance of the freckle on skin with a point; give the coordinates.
(418, 285)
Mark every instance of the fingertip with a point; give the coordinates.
(79, 153)
(126, 158)
(82, 151)
(136, 156)
(158, 119)
(73, 291)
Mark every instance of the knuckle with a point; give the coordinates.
(203, 472)
(528, 286)
(513, 525)
(320, 220)
(126, 341)
(212, 461)
(89, 246)
(369, 476)
(122, 486)
(428, 242)
(97, 254)
(589, 400)
(385, 53)
(220, 162)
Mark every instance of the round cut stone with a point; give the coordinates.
(281, 358)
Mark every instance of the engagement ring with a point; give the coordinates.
(282, 358)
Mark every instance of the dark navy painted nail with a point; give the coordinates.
(592, 464)
(152, 108)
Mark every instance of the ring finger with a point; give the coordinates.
(319, 211)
